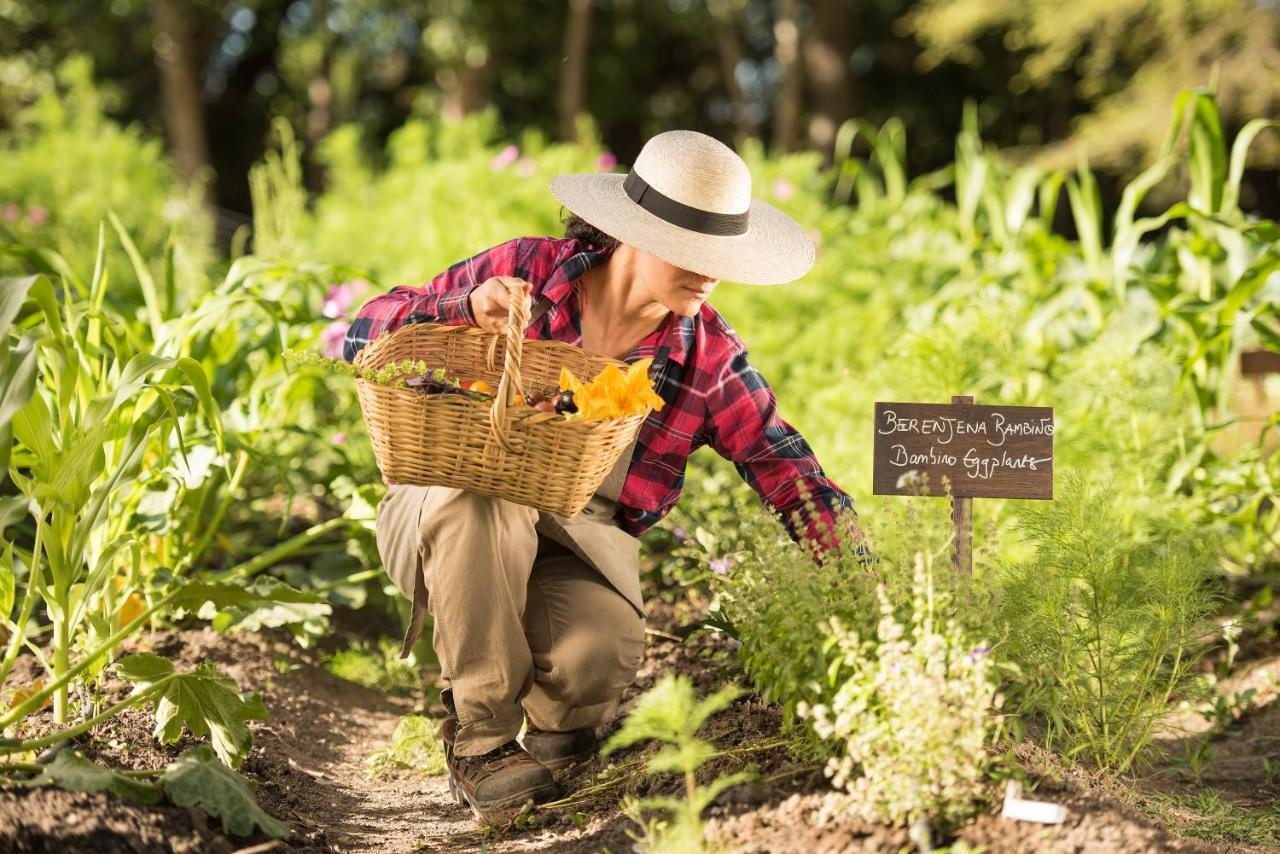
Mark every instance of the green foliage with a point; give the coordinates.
(1106, 622)
(374, 666)
(204, 701)
(198, 778)
(671, 713)
(778, 602)
(195, 779)
(1206, 815)
(67, 166)
(441, 197)
(415, 746)
(71, 771)
(912, 715)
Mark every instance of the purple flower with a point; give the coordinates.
(504, 158)
(338, 300)
(338, 438)
(978, 652)
(783, 189)
(332, 337)
(606, 161)
(720, 566)
(11, 212)
(38, 215)
(680, 534)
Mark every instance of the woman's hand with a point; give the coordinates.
(490, 303)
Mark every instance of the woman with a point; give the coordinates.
(538, 616)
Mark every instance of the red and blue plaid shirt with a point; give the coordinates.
(713, 395)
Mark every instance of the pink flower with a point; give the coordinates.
(720, 566)
(11, 212)
(783, 189)
(338, 300)
(606, 161)
(332, 338)
(339, 438)
(524, 168)
(504, 158)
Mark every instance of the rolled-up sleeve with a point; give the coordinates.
(445, 299)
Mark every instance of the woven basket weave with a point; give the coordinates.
(539, 459)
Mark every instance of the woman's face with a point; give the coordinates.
(680, 290)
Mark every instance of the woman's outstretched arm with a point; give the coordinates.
(742, 424)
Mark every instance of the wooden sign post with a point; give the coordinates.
(982, 451)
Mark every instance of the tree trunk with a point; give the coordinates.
(826, 68)
(573, 76)
(319, 116)
(722, 15)
(786, 106)
(466, 89)
(178, 61)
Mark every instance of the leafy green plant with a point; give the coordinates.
(1104, 623)
(415, 746)
(913, 713)
(671, 713)
(82, 439)
(374, 666)
(195, 779)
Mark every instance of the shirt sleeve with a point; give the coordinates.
(445, 299)
(742, 425)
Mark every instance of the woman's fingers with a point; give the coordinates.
(492, 303)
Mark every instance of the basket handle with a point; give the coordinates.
(518, 291)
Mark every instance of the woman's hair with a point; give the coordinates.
(579, 229)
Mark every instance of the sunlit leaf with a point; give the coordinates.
(197, 778)
(70, 770)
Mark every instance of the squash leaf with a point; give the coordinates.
(70, 770)
(198, 778)
(208, 703)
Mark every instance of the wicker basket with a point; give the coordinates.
(535, 458)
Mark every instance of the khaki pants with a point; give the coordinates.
(523, 624)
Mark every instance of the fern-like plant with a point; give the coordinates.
(1105, 622)
(671, 713)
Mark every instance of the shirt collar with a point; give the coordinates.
(676, 341)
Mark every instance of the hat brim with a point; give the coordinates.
(774, 250)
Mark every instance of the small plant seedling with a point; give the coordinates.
(671, 713)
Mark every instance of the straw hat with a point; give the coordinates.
(688, 200)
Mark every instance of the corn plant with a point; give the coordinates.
(671, 713)
(89, 415)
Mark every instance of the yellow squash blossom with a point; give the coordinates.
(613, 393)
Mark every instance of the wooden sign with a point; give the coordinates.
(1259, 363)
(984, 451)
(981, 451)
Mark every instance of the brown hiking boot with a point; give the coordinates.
(498, 783)
(558, 750)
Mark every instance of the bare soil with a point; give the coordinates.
(308, 762)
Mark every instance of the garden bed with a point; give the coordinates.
(309, 763)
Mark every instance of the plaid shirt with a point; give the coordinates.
(713, 395)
